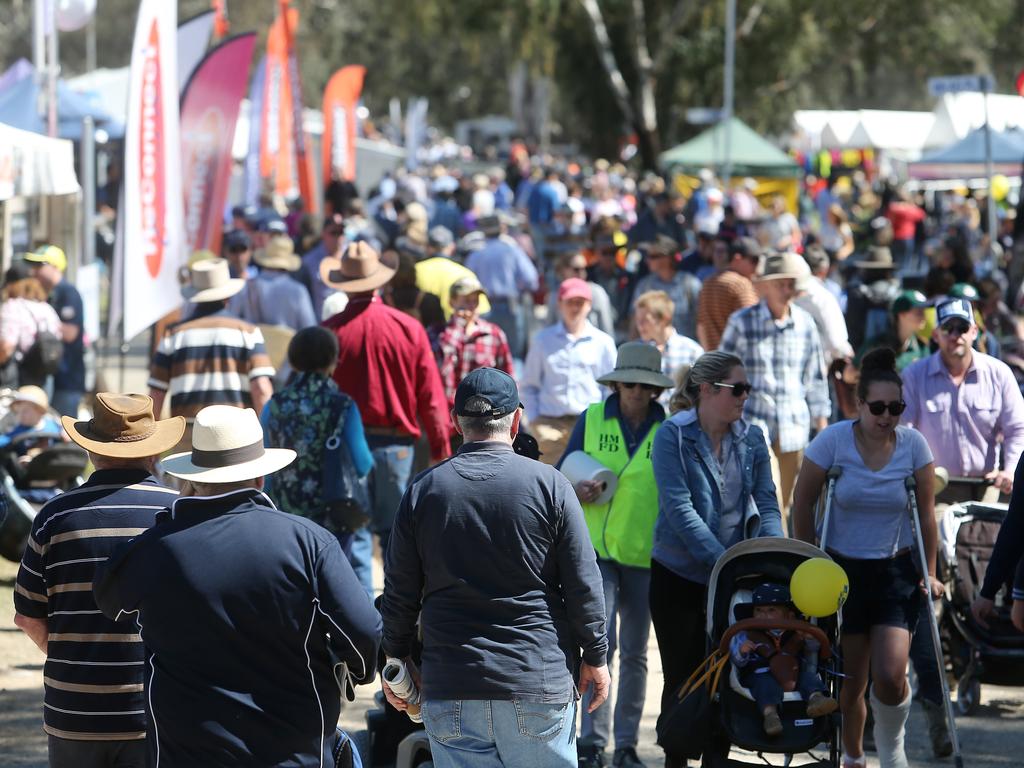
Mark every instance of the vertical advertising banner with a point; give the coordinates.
(303, 157)
(277, 136)
(152, 246)
(252, 158)
(193, 40)
(209, 111)
(338, 143)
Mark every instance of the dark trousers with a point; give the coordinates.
(926, 665)
(69, 753)
(677, 612)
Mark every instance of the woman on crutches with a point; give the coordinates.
(869, 534)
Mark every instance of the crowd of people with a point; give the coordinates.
(720, 353)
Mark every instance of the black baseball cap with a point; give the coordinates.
(487, 392)
(237, 238)
(771, 594)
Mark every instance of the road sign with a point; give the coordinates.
(704, 115)
(940, 86)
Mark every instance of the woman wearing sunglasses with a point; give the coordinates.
(715, 489)
(871, 538)
(619, 433)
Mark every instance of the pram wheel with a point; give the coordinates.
(968, 695)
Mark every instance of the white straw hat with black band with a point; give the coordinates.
(227, 447)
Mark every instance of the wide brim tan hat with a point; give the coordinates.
(227, 447)
(359, 270)
(279, 253)
(123, 427)
(781, 266)
(211, 281)
(638, 363)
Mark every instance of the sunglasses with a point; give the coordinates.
(956, 329)
(738, 390)
(645, 387)
(579, 270)
(878, 407)
(238, 249)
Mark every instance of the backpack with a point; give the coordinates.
(43, 358)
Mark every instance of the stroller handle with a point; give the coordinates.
(794, 625)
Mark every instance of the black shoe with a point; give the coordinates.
(626, 758)
(591, 756)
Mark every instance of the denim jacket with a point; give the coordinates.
(686, 532)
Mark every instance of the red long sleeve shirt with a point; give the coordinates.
(385, 364)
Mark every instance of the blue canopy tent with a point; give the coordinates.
(965, 159)
(19, 105)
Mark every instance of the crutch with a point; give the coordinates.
(830, 492)
(933, 624)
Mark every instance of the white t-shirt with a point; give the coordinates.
(870, 517)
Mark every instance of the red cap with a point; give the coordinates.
(574, 288)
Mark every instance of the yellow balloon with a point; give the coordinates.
(819, 587)
(1000, 186)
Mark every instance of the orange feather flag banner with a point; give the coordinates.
(338, 144)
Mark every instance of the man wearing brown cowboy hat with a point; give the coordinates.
(93, 696)
(386, 365)
(246, 611)
(212, 357)
(274, 297)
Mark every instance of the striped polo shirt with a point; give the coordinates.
(209, 360)
(93, 674)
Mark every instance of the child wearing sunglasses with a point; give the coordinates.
(870, 537)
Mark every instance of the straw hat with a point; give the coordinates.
(279, 253)
(123, 427)
(357, 271)
(638, 363)
(227, 447)
(31, 394)
(211, 281)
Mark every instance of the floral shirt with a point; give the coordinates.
(302, 417)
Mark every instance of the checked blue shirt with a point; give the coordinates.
(785, 365)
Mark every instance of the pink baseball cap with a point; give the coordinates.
(574, 288)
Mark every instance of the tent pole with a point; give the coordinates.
(990, 257)
(728, 96)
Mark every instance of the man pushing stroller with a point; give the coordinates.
(773, 662)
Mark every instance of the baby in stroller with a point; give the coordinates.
(774, 661)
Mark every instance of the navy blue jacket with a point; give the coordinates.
(244, 611)
(494, 549)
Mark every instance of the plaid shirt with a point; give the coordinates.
(785, 365)
(458, 352)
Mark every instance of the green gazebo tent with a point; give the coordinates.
(752, 155)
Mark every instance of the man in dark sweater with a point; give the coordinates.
(493, 549)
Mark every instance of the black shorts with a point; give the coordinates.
(882, 593)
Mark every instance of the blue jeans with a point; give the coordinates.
(626, 599)
(66, 401)
(392, 468)
(766, 689)
(500, 734)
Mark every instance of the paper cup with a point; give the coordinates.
(579, 466)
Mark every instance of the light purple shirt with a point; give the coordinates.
(963, 424)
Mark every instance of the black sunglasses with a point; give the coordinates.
(646, 387)
(238, 249)
(738, 390)
(956, 329)
(878, 407)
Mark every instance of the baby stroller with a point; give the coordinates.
(976, 655)
(735, 718)
(25, 487)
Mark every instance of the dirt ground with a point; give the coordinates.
(992, 738)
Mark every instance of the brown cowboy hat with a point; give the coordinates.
(123, 427)
(360, 269)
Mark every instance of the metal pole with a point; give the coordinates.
(984, 81)
(52, 69)
(728, 96)
(88, 177)
(39, 53)
(90, 44)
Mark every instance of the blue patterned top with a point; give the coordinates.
(300, 417)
